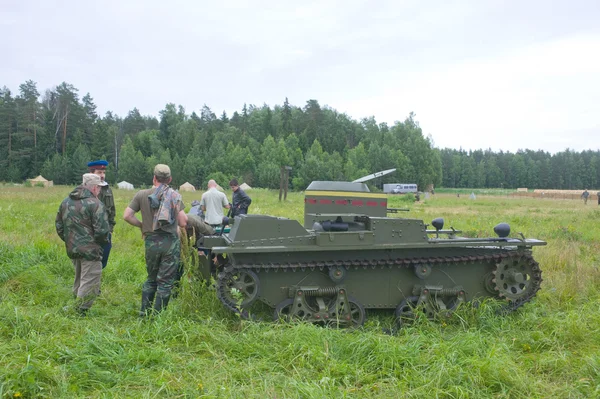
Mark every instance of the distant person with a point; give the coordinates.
(585, 196)
(81, 222)
(162, 214)
(108, 200)
(241, 201)
(598, 196)
(212, 203)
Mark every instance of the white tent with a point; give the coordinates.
(187, 187)
(245, 187)
(125, 185)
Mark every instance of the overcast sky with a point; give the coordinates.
(505, 75)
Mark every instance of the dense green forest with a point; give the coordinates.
(56, 133)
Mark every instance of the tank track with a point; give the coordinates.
(512, 304)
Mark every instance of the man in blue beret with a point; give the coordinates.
(106, 197)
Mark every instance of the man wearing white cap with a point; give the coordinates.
(81, 222)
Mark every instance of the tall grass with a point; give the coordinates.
(549, 348)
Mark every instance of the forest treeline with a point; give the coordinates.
(57, 132)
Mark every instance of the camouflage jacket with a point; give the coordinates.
(82, 224)
(106, 197)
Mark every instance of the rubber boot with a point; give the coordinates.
(161, 303)
(147, 300)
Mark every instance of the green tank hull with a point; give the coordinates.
(351, 262)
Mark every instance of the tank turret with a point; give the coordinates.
(324, 199)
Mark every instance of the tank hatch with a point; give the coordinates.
(346, 199)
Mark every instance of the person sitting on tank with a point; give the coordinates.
(198, 227)
(196, 209)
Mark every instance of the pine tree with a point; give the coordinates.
(7, 126)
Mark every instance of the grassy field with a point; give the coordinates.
(550, 348)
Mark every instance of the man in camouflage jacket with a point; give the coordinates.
(81, 222)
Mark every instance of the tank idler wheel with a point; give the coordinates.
(348, 313)
(238, 289)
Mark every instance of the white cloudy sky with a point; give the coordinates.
(493, 74)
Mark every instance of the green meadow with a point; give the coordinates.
(550, 348)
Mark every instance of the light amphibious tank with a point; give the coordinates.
(353, 257)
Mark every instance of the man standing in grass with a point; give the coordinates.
(162, 214)
(240, 199)
(81, 222)
(585, 196)
(106, 197)
(213, 202)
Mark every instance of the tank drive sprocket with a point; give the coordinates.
(517, 278)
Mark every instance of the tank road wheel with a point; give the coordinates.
(238, 288)
(283, 311)
(517, 279)
(305, 309)
(354, 318)
(407, 310)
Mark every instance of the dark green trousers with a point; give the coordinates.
(162, 261)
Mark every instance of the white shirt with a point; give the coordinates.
(214, 201)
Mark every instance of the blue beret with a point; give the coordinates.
(102, 164)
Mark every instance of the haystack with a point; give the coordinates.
(245, 187)
(187, 187)
(125, 185)
(41, 179)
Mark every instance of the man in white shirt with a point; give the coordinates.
(212, 203)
